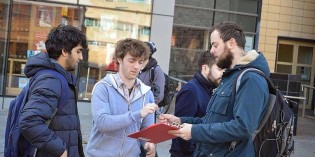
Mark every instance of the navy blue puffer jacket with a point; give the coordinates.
(64, 131)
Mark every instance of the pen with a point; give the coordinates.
(158, 112)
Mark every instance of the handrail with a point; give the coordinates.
(308, 86)
(178, 80)
(305, 91)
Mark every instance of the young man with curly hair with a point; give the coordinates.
(122, 105)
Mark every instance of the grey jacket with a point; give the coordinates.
(114, 118)
(158, 82)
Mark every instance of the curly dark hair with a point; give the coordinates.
(135, 47)
(230, 30)
(64, 37)
(207, 58)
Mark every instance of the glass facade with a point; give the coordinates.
(192, 21)
(31, 22)
(4, 17)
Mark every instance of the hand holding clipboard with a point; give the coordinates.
(155, 133)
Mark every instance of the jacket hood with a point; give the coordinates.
(252, 59)
(42, 61)
(152, 63)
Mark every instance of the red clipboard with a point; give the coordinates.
(155, 133)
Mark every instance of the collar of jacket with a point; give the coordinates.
(110, 81)
(243, 62)
(152, 63)
(204, 82)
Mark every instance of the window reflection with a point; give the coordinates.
(103, 29)
(132, 5)
(31, 23)
(247, 6)
(187, 43)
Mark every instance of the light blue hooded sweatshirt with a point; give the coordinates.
(114, 118)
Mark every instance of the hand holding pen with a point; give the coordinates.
(149, 108)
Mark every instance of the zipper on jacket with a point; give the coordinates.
(124, 136)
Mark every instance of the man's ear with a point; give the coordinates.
(204, 67)
(231, 43)
(119, 60)
(64, 53)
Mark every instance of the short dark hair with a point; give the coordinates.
(230, 30)
(64, 37)
(206, 58)
(135, 47)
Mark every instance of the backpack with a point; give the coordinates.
(274, 135)
(15, 144)
(168, 92)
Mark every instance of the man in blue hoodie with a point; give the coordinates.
(122, 105)
(63, 137)
(192, 99)
(229, 118)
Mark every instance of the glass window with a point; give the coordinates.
(133, 5)
(249, 42)
(193, 17)
(285, 53)
(187, 43)
(4, 15)
(31, 23)
(188, 38)
(287, 69)
(183, 63)
(65, 1)
(196, 3)
(305, 73)
(103, 29)
(248, 23)
(305, 55)
(246, 6)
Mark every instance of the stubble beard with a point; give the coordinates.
(69, 62)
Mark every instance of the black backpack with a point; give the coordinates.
(274, 135)
(168, 92)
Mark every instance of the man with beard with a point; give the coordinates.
(229, 117)
(64, 45)
(192, 100)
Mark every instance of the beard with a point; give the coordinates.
(226, 62)
(214, 81)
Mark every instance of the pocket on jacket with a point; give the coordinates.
(221, 102)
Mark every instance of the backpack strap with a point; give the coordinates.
(271, 101)
(270, 104)
(152, 73)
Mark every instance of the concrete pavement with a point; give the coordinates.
(304, 141)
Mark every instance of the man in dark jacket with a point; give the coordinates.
(192, 100)
(158, 82)
(229, 118)
(63, 136)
